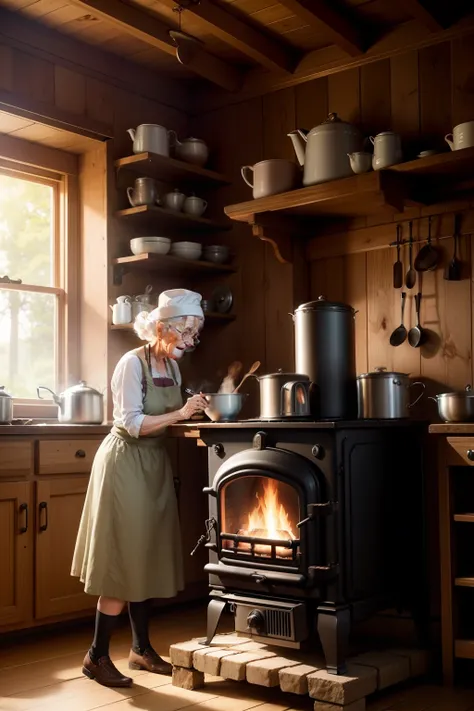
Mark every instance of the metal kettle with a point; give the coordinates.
(78, 405)
(284, 395)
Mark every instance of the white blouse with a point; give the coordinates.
(127, 393)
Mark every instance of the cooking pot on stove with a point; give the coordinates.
(284, 395)
(384, 395)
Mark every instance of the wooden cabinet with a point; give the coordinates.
(16, 458)
(456, 527)
(58, 504)
(16, 553)
(67, 456)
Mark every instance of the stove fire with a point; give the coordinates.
(268, 519)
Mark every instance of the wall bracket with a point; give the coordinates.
(277, 235)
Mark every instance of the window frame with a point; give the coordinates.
(65, 278)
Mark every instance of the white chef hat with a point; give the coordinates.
(174, 303)
(178, 302)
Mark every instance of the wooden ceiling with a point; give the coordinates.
(235, 37)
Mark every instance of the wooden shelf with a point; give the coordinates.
(349, 197)
(422, 181)
(464, 582)
(169, 169)
(170, 218)
(210, 317)
(465, 518)
(166, 264)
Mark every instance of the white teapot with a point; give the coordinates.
(122, 310)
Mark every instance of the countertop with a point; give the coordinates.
(47, 429)
(461, 428)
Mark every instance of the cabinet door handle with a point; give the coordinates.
(80, 454)
(24, 508)
(43, 507)
(470, 455)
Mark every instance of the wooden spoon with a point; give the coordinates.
(253, 368)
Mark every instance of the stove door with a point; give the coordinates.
(258, 499)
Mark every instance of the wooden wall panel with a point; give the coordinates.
(435, 94)
(344, 95)
(375, 97)
(405, 99)
(311, 103)
(462, 58)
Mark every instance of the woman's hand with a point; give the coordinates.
(195, 404)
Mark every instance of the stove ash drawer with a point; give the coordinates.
(280, 621)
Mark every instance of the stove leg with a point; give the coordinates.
(214, 612)
(334, 625)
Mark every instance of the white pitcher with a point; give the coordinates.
(461, 137)
(122, 310)
(149, 137)
(387, 150)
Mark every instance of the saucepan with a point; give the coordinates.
(223, 407)
(456, 407)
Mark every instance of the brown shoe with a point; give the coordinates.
(104, 672)
(149, 661)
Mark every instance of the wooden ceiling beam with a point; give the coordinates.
(152, 31)
(262, 48)
(337, 29)
(419, 11)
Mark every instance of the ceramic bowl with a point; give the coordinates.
(142, 245)
(220, 256)
(187, 250)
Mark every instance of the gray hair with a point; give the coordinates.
(146, 322)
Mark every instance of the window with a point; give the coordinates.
(32, 313)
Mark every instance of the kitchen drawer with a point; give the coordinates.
(16, 457)
(459, 451)
(67, 456)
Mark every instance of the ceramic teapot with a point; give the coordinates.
(122, 310)
(324, 150)
(149, 137)
(192, 150)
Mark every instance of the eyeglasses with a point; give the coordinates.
(187, 335)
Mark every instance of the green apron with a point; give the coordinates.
(129, 544)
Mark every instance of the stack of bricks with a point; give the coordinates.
(239, 659)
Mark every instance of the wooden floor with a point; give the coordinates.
(44, 674)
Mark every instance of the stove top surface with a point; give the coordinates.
(295, 423)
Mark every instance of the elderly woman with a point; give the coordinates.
(128, 546)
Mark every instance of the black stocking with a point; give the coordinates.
(139, 613)
(104, 627)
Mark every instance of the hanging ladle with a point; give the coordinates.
(416, 334)
(427, 258)
(400, 334)
(253, 369)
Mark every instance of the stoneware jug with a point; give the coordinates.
(461, 137)
(122, 310)
(387, 150)
(271, 177)
(150, 137)
(195, 206)
(144, 192)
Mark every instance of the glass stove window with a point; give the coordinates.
(260, 507)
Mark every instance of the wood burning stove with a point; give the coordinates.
(312, 527)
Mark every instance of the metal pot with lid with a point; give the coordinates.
(324, 150)
(385, 395)
(457, 406)
(6, 407)
(325, 352)
(78, 405)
